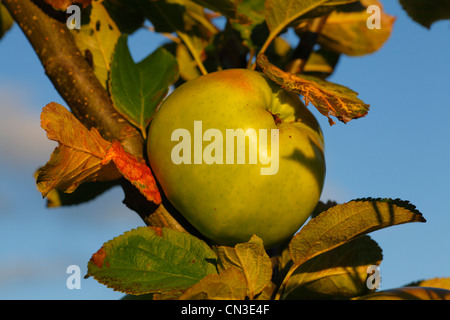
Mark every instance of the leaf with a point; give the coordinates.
(78, 157)
(97, 39)
(409, 293)
(345, 222)
(63, 4)
(126, 14)
(347, 31)
(152, 260)
(443, 283)
(134, 170)
(250, 258)
(84, 193)
(249, 14)
(281, 13)
(138, 89)
(341, 272)
(321, 63)
(329, 98)
(187, 19)
(84, 156)
(6, 21)
(427, 12)
(230, 284)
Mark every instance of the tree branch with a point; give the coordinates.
(75, 81)
(72, 75)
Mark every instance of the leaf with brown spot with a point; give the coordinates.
(329, 98)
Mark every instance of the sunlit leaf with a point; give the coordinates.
(329, 98)
(78, 157)
(347, 31)
(345, 222)
(251, 258)
(84, 156)
(97, 39)
(230, 284)
(443, 283)
(152, 260)
(341, 272)
(409, 293)
(138, 89)
(280, 13)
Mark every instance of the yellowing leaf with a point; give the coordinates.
(443, 283)
(345, 222)
(230, 284)
(77, 158)
(84, 156)
(97, 40)
(347, 31)
(251, 258)
(341, 272)
(329, 98)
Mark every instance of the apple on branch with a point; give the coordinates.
(237, 155)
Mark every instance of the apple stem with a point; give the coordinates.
(276, 118)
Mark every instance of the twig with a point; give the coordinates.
(304, 49)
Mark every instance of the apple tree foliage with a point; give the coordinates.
(112, 100)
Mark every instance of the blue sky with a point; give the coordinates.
(401, 149)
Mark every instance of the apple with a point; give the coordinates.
(237, 155)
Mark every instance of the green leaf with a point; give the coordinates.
(281, 13)
(250, 258)
(230, 284)
(329, 98)
(97, 39)
(152, 260)
(427, 12)
(341, 272)
(345, 222)
(138, 89)
(6, 21)
(249, 13)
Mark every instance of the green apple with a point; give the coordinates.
(236, 156)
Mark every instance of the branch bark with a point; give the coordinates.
(71, 74)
